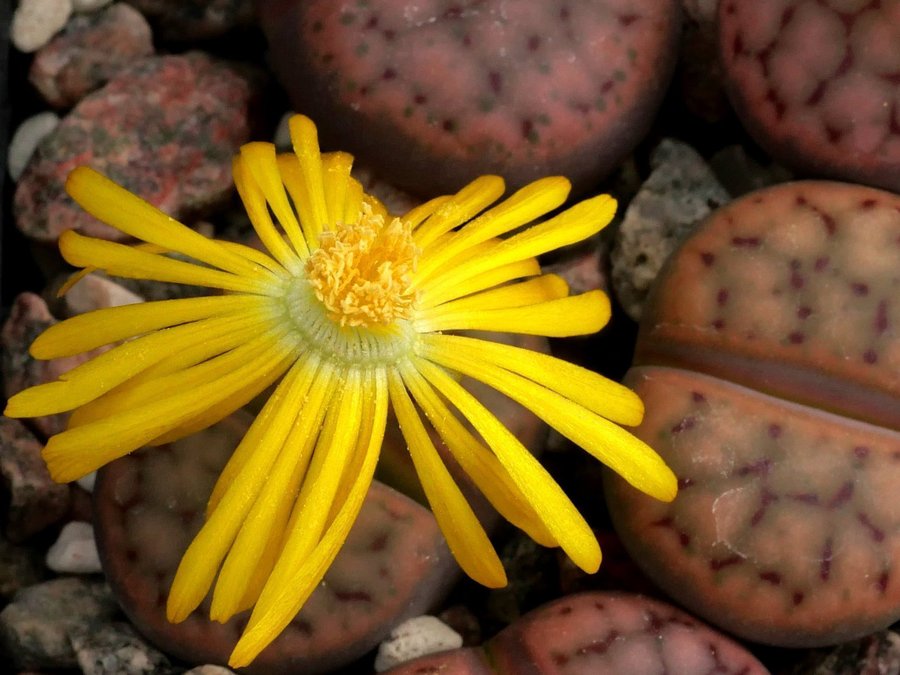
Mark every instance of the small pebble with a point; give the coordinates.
(89, 5)
(413, 638)
(75, 551)
(282, 137)
(25, 140)
(36, 21)
(209, 669)
(87, 482)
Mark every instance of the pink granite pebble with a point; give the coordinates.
(818, 83)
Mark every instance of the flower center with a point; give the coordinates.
(362, 272)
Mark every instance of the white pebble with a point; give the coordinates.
(89, 5)
(36, 21)
(282, 138)
(87, 482)
(413, 638)
(30, 132)
(75, 552)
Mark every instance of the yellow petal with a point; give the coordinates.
(299, 581)
(200, 562)
(479, 282)
(595, 392)
(573, 225)
(258, 211)
(543, 288)
(305, 139)
(104, 326)
(133, 263)
(576, 315)
(466, 538)
(246, 564)
(353, 201)
(89, 380)
(477, 461)
(527, 204)
(121, 209)
(461, 207)
(628, 456)
(418, 214)
(336, 176)
(76, 452)
(537, 487)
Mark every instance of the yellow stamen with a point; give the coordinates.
(362, 272)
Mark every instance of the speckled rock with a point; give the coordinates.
(20, 566)
(768, 361)
(94, 291)
(149, 505)
(36, 21)
(680, 192)
(877, 654)
(165, 128)
(818, 83)
(523, 90)
(90, 51)
(35, 500)
(26, 139)
(600, 634)
(115, 649)
(413, 638)
(35, 627)
(195, 19)
(28, 318)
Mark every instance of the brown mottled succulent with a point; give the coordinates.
(769, 363)
(521, 89)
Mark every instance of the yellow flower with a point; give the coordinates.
(347, 313)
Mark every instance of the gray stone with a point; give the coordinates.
(876, 654)
(209, 670)
(75, 550)
(26, 139)
(680, 192)
(115, 649)
(35, 627)
(36, 21)
(35, 500)
(413, 638)
(20, 566)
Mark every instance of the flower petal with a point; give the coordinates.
(625, 454)
(560, 516)
(246, 564)
(336, 177)
(297, 582)
(104, 326)
(418, 214)
(479, 282)
(543, 288)
(572, 225)
(601, 395)
(200, 562)
(76, 452)
(305, 139)
(462, 206)
(133, 263)
(575, 315)
(128, 213)
(258, 211)
(476, 460)
(524, 206)
(261, 164)
(465, 536)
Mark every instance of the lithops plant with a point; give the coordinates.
(818, 83)
(601, 634)
(769, 363)
(433, 93)
(150, 504)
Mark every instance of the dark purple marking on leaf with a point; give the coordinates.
(560, 659)
(496, 81)
(685, 424)
(379, 542)
(860, 288)
(718, 324)
(746, 242)
(786, 16)
(874, 531)
(861, 452)
(684, 539)
(868, 203)
(697, 397)
(775, 430)
(881, 318)
(722, 563)
(833, 134)
(599, 647)
(684, 483)
(707, 258)
(758, 468)
(737, 45)
(804, 497)
(842, 496)
(816, 97)
(797, 280)
(389, 34)
(534, 43)
(453, 12)
(722, 296)
(773, 578)
(825, 563)
(420, 99)
(372, 22)
(301, 625)
(883, 579)
(606, 86)
(352, 596)
(797, 597)
(627, 19)
(389, 74)
(804, 312)
(829, 222)
(663, 522)
(767, 498)
(773, 97)
(821, 263)
(870, 356)
(796, 338)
